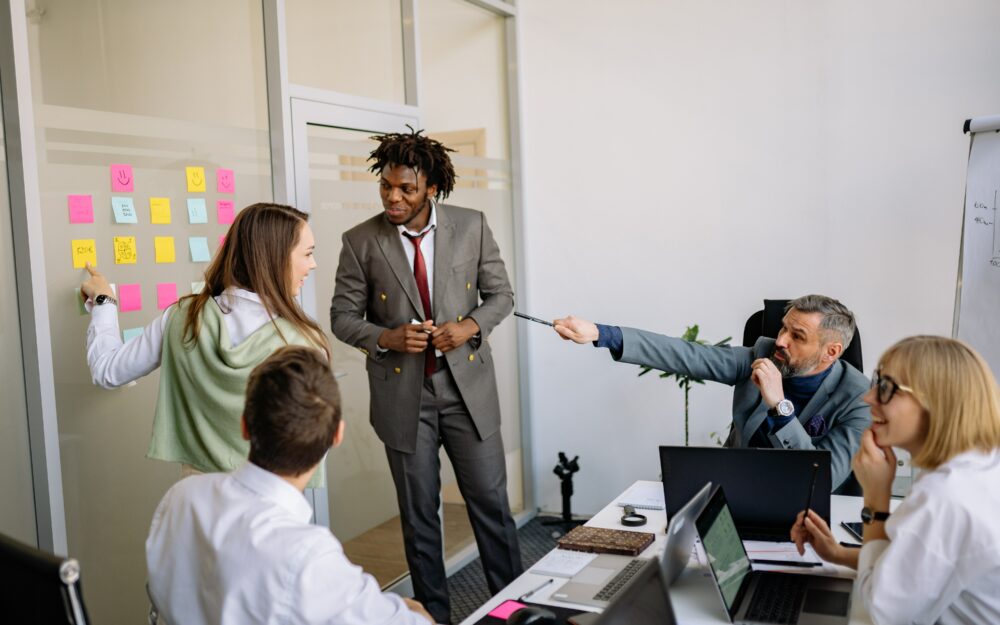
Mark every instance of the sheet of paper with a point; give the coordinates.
(225, 181)
(166, 294)
(130, 333)
(122, 180)
(159, 210)
(81, 209)
(199, 249)
(164, 249)
(197, 211)
(129, 297)
(124, 210)
(195, 179)
(225, 211)
(563, 563)
(786, 552)
(644, 495)
(125, 253)
(84, 251)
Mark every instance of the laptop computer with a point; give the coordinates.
(766, 487)
(603, 579)
(645, 601)
(764, 596)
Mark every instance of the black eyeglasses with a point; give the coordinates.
(885, 387)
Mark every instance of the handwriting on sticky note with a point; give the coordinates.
(197, 211)
(199, 249)
(225, 211)
(122, 180)
(225, 182)
(164, 247)
(159, 210)
(84, 251)
(124, 210)
(81, 209)
(131, 333)
(195, 179)
(166, 294)
(125, 253)
(129, 297)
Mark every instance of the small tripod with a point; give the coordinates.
(565, 470)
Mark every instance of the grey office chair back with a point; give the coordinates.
(39, 587)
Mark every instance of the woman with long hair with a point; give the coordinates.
(207, 344)
(936, 559)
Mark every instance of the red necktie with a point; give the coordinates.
(420, 274)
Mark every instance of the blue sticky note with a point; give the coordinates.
(197, 211)
(131, 333)
(199, 249)
(124, 210)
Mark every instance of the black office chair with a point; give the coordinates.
(38, 587)
(767, 323)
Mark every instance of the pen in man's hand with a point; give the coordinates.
(786, 562)
(418, 322)
(535, 319)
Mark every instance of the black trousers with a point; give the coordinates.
(481, 473)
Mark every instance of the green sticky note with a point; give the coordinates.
(197, 210)
(197, 287)
(124, 210)
(131, 333)
(80, 301)
(199, 249)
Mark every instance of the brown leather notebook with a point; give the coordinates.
(601, 540)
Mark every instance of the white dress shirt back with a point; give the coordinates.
(238, 549)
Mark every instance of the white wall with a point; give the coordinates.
(685, 160)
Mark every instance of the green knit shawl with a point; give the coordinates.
(203, 389)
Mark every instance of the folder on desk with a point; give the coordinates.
(602, 540)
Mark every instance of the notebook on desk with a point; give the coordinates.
(766, 488)
(750, 596)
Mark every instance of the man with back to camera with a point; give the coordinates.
(237, 548)
(792, 392)
(408, 292)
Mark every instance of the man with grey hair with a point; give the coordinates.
(792, 392)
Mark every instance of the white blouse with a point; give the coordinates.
(941, 563)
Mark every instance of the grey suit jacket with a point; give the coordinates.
(376, 291)
(838, 399)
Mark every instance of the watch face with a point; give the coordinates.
(100, 299)
(866, 515)
(785, 407)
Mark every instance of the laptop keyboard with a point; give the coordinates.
(777, 599)
(618, 581)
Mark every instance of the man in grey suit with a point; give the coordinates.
(792, 392)
(408, 293)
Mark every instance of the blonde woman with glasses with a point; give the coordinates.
(936, 559)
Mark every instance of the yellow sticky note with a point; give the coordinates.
(159, 210)
(84, 250)
(195, 178)
(125, 251)
(164, 249)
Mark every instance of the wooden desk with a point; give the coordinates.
(694, 596)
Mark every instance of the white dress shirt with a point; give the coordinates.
(238, 549)
(113, 363)
(426, 247)
(941, 563)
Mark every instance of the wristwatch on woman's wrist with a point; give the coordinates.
(105, 299)
(869, 516)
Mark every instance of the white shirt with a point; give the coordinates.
(426, 247)
(941, 563)
(238, 549)
(113, 363)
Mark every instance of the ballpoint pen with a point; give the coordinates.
(533, 591)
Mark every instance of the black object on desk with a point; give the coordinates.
(533, 615)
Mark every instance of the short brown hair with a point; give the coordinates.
(957, 389)
(292, 410)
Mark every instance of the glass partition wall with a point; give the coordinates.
(163, 87)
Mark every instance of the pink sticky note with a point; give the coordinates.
(506, 608)
(225, 210)
(81, 209)
(166, 294)
(222, 240)
(121, 178)
(225, 182)
(129, 297)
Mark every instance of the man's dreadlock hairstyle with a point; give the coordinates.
(421, 153)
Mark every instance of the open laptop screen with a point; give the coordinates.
(726, 556)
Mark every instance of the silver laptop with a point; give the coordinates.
(764, 596)
(603, 579)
